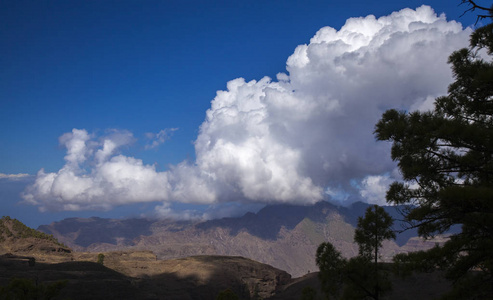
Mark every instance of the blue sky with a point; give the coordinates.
(127, 70)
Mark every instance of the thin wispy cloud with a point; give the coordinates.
(157, 139)
(14, 177)
(294, 139)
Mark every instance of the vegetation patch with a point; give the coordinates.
(13, 228)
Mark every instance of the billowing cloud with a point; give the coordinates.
(112, 179)
(312, 129)
(291, 140)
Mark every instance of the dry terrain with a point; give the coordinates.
(26, 253)
(283, 236)
(144, 274)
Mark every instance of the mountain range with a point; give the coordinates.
(283, 236)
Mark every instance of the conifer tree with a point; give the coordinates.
(446, 159)
(360, 276)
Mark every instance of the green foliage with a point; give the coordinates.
(365, 280)
(227, 295)
(4, 230)
(101, 258)
(446, 159)
(421, 261)
(332, 269)
(372, 230)
(26, 289)
(308, 293)
(361, 276)
(19, 230)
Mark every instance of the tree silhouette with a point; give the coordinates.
(308, 293)
(361, 275)
(446, 159)
(332, 268)
(371, 231)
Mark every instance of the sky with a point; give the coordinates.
(206, 109)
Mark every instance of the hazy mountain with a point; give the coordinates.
(284, 236)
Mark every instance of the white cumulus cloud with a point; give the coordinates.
(290, 140)
(374, 188)
(95, 176)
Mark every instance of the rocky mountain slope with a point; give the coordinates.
(39, 263)
(284, 236)
(17, 238)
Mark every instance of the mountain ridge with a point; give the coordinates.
(284, 236)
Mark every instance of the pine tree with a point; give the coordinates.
(370, 233)
(360, 275)
(446, 159)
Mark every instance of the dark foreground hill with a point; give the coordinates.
(39, 260)
(284, 236)
(423, 286)
(201, 277)
(193, 278)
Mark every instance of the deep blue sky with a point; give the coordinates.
(142, 66)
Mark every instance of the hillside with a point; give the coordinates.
(33, 256)
(284, 236)
(39, 261)
(17, 238)
(431, 286)
(133, 275)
